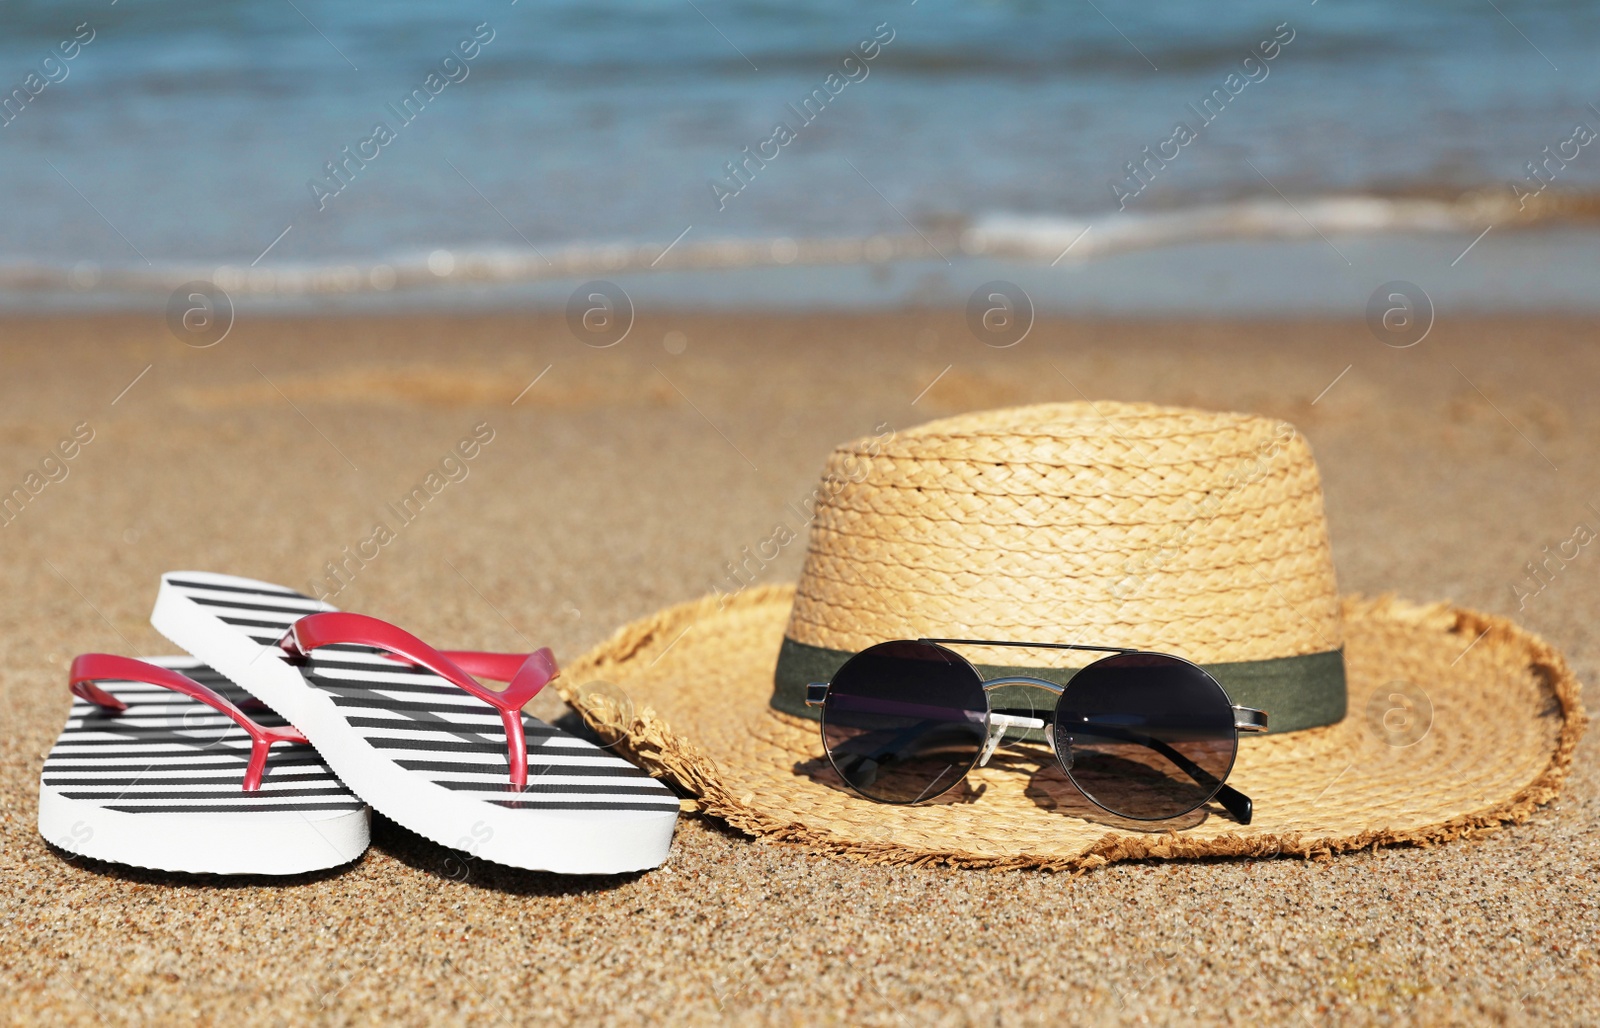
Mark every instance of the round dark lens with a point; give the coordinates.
(904, 721)
(1145, 735)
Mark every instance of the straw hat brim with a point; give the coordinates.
(685, 695)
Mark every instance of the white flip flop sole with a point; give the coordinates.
(160, 786)
(420, 750)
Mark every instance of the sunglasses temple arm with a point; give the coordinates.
(1232, 800)
(1235, 803)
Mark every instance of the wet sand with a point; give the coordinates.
(628, 478)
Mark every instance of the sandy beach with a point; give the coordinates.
(615, 481)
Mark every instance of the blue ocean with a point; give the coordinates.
(1109, 155)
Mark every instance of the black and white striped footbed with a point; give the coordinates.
(418, 748)
(161, 783)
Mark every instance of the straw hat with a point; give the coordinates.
(1189, 532)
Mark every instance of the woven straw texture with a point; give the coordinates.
(685, 694)
(1116, 524)
(1176, 530)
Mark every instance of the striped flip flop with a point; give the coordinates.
(166, 764)
(412, 732)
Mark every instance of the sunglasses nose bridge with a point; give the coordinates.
(999, 723)
(990, 685)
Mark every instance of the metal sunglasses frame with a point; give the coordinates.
(996, 723)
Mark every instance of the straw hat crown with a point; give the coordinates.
(1119, 524)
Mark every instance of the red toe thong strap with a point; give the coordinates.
(524, 673)
(89, 668)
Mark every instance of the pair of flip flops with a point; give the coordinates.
(261, 752)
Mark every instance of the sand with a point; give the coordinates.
(626, 479)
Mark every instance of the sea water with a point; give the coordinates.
(1105, 156)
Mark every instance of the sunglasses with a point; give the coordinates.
(1145, 736)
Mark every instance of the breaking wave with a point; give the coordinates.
(1021, 237)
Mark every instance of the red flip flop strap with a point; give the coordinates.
(526, 673)
(88, 668)
(502, 667)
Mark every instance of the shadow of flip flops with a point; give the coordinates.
(465, 868)
(195, 880)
